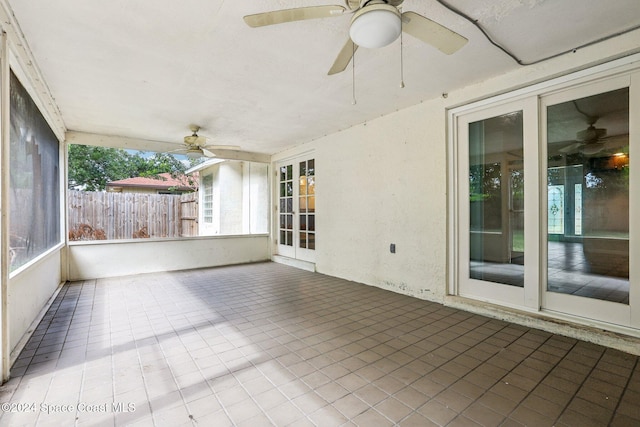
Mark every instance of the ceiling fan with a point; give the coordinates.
(374, 24)
(195, 146)
(588, 141)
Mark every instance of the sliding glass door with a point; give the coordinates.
(588, 157)
(545, 199)
(494, 183)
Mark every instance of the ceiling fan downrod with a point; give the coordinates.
(353, 74)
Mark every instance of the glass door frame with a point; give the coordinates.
(536, 299)
(526, 297)
(574, 305)
(283, 195)
(294, 251)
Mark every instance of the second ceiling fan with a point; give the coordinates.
(375, 23)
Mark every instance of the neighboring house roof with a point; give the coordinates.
(163, 182)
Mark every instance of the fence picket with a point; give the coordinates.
(128, 215)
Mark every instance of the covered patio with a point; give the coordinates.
(337, 286)
(267, 344)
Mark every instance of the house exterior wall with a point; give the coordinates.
(230, 179)
(137, 190)
(255, 203)
(385, 181)
(379, 183)
(240, 199)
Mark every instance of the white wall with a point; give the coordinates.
(29, 292)
(90, 260)
(256, 198)
(240, 198)
(385, 181)
(380, 183)
(230, 177)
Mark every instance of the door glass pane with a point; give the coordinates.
(303, 185)
(588, 196)
(496, 199)
(312, 185)
(286, 205)
(306, 202)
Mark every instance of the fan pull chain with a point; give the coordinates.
(353, 74)
(401, 57)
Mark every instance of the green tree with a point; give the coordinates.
(91, 168)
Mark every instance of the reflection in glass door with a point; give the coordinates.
(496, 200)
(588, 196)
(516, 211)
(557, 165)
(495, 204)
(307, 204)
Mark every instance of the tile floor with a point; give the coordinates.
(266, 344)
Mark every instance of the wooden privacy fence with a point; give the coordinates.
(189, 214)
(108, 215)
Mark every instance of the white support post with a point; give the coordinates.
(5, 351)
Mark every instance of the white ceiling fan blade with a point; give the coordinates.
(430, 32)
(221, 147)
(178, 151)
(289, 15)
(571, 147)
(207, 153)
(344, 57)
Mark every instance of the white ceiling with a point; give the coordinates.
(150, 68)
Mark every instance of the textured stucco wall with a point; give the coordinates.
(385, 181)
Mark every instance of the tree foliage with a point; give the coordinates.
(91, 167)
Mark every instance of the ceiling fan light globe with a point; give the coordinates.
(591, 149)
(375, 26)
(194, 154)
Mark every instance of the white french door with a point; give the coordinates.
(296, 209)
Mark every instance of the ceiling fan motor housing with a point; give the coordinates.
(591, 134)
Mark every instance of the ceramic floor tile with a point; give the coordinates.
(266, 344)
